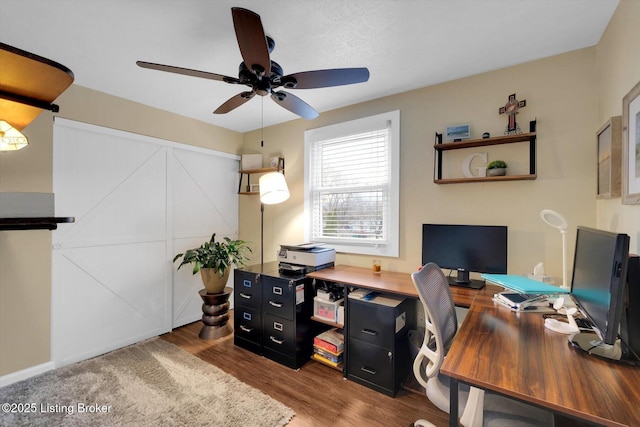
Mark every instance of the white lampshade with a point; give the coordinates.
(11, 138)
(273, 188)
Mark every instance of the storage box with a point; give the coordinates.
(251, 161)
(327, 310)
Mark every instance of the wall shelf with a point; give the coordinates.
(440, 147)
(249, 172)
(41, 223)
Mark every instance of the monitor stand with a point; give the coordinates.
(591, 343)
(470, 283)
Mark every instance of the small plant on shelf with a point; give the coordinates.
(497, 164)
(497, 168)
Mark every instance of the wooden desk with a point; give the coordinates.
(387, 281)
(513, 354)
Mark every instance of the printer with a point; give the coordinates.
(304, 258)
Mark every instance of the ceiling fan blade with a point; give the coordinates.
(251, 40)
(234, 102)
(294, 104)
(325, 78)
(187, 72)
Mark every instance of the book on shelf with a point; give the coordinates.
(325, 361)
(331, 340)
(336, 358)
(324, 349)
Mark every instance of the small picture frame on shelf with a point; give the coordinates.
(631, 146)
(458, 132)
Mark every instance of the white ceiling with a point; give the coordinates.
(406, 44)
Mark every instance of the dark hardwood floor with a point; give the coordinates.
(318, 394)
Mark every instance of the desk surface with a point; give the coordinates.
(386, 281)
(513, 354)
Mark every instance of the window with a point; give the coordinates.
(352, 185)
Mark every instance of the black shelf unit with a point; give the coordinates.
(441, 147)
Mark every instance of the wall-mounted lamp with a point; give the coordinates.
(11, 139)
(556, 220)
(273, 190)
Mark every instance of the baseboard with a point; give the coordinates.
(14, 377)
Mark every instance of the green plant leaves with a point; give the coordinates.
(216, 255)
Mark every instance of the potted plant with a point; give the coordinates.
(214, 261)
(497, 168)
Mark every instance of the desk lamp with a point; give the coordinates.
(273, 190)
(556, 220)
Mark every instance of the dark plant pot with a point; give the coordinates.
(497, 172)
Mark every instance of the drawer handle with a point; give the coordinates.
(368, 370)
(369, 332)
(277, 290)
(245, 296)
(275, 340)
(245, 329)
(276, 304)
(278, 326)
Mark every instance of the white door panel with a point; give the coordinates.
(197, 184)
(137, 202)
(107, 301)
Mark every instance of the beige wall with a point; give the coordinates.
(560, 92)
(25, 256)
(571, 95)
(619, 71)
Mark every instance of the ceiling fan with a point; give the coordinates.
(265, 76)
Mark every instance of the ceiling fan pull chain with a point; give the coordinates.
(262, 121)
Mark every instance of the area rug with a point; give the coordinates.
(152, 383)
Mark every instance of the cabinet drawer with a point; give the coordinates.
(279, 334)
(371, 363)
(248, 323)
(247, 289)
(279, 297)
(372, 323)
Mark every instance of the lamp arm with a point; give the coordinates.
(565, 283)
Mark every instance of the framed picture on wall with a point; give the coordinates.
(610, 158)
(631, 147)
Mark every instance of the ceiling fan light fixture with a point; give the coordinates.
(11, 139)
(263, 75)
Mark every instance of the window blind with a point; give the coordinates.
(349, 187)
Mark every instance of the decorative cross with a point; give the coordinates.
(511, 107)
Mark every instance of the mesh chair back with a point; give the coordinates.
(441, 322)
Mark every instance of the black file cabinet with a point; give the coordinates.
(378, 347)
(272, 314)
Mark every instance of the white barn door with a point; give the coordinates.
(204, 202)
(113, 282)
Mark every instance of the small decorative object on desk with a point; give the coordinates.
(497, 168)
(376, 266)
(486, 135)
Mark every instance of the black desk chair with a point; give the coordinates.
(477, 407)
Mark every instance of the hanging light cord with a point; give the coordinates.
(262, 121)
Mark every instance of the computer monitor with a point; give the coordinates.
(598, 287)
(466, 248)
